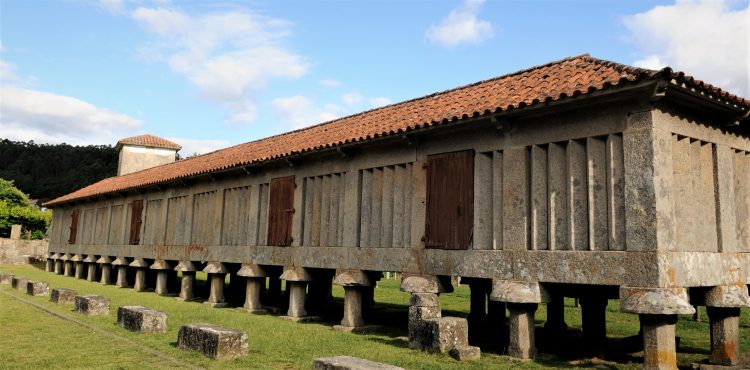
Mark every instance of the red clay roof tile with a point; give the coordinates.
(150, 141)
(546, 83)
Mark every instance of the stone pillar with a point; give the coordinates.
(15, 232)
(522, 300)
(58, 266)
(68, 265)
(723, 308)
(91, 264)
(356, 283)
(555, 324)
(50, 265)
(521, 343)
(594, 322)
(423, 305)
(105, 264)
(79, 267)
(140, 266)
(217, 273)
(657, 309)
(659, 350)
(188, 279)
(296, 282)
(255, 276)
(121, 264)
(162, 276)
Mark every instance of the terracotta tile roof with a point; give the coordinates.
(554, 81)
(150, 141)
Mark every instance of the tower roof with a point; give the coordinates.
(148, 140)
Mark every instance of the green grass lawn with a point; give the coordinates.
(32, 338)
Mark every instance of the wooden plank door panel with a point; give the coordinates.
(450, 200)
(281, 211)
(136, 215)
(73, 227)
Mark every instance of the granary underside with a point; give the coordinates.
(644, 186)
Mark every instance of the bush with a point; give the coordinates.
(15, 209)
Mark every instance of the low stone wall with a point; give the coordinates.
(17, 250)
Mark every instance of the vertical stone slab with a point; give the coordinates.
(727, 200)
(325, 210)
(539, 217)
(616, 193)
(558, 197)
(418, 203)
(649, 206)
(352, 192)
(516, 199)
(596, 155)
(366, 209)
(578, 230)
(742, 196)
(386, 223)
(376, 221)
(482, 201)
(399, 192)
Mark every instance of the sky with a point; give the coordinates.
(210, 74)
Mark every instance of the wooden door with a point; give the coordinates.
(73, 226)
(450, 200)
(136, 214)
(281, 211)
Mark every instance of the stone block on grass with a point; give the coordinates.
(63, 296)
(213, 341)
(350, 363)
(20, 283)
(141, 319)
(6, 278)
(37, 288)
(446, 333)
(466, 353)
(92, 305)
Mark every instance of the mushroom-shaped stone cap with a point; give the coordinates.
(519, 292)
(77, 258)
(104, 259)
(655, 301)
(55, 256)
(66, 257)
(425, 284)
(215, 268)
(138, 262)
(160, 265)
(121, 261)
(252, 270)
(352, 278)
(90, 258)
(185, 266)
(296, 274)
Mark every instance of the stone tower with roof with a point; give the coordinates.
(144, 151)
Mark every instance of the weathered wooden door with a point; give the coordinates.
(73, 226)
(136, 216)
(281, 211)
(450, 200)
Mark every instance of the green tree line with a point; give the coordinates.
(46, 171)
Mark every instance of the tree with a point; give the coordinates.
(15, 209)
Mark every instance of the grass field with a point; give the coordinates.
(33, 338)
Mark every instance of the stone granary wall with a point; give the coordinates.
(585, 179)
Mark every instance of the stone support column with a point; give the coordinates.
(50, 263)
(296, 282)
(91, 264)
(255, 276)
(521, 343)
(723, 308)
(356, 283)
(58, 263)
(105, 264)
(594, 322)
(162, 269)
(657, 309)
(121, 264)
(555, 324)
(68, 269)
(140, 266)
(522, 299)
(424, 304)
(79, 271)
(217, 273)
(188, 280)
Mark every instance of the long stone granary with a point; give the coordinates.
(580, 178)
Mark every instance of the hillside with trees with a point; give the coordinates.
(45, 171)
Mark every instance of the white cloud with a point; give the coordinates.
(379, 101)
(7, 71)
(352, 98)
(330, 83)
(229, 56)
(51, 118)
(113, 6)
(299, 111)
(707, 39)
(461, 26)
(193, 146)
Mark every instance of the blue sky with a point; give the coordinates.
(213, 74)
